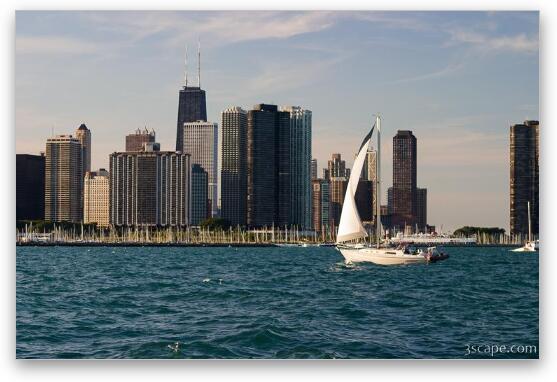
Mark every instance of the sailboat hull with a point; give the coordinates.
(380, 256)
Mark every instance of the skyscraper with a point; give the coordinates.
(404, 178)
(338, 187)
(64, 179)
(268, 164)
(233, 180)
(191, 103)
(320, 205)
(313, 169)
(336, 166)
(201, 143)
(421, 209)
(150, 188)
(84, 135)
(137, 140)
(199, 199)
(30, 187)
(300, 166)
(96, 194)
(524, 176)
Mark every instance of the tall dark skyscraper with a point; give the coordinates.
(524, 176)
(404, 178)
(268, 166)
(233, 191)
(421, 209)
(199, 194)
(30, 175)
(192, 105)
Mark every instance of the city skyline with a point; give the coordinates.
(472, 75)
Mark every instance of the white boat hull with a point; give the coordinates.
(380, 256)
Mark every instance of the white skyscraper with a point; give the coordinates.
(96, 198)
(201, 143)
(300, 166)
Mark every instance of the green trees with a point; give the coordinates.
(468, 231)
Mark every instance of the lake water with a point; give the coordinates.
(133, 302)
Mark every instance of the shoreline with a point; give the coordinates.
(225, 245)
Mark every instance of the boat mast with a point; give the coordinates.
(529, 225)
(378, 182)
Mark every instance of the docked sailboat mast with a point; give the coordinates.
(529, 224)
(378, 183)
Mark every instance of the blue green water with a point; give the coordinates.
(102, 302)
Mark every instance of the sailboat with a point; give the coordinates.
(351, 227)
(531, 245)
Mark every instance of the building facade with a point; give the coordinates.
(199, 195)
(320, 205)
(421, 209)
(201, 143)
(30, 187)
(96, 198)
(313, 169)
(268, 166)
(137, 140)
(150, 188)
(300, 166)
(404, 178)
(233, 178)
(370, 173)
(338, 187)
(64, 179)
(336, 167)
(83, 134)
(524, 176)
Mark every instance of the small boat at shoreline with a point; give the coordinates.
(531, 245)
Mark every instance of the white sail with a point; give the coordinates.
(350, 226)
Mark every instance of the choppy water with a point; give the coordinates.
(104, 302)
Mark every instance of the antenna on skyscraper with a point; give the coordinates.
(186, 61)
(198, 63)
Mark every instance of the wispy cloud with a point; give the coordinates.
(520, 43)
(445, 71)
(54, 45)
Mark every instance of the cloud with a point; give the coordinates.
(519, 43)
(54, 45)
(447, 70)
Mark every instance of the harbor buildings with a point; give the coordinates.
(64, 179)
(233, 178)
(137, 140)
(421, 209)
(201, 144)
(199, 192)
(524, 176)
(336, 167)
(300, 166)
(96, 193)
(83, 134)
(404, 190)
(30, 187)
(337, 191)
(150, 188)
(320, 205)
(313, 169)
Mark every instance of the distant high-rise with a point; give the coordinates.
(30, 187)
(191, 104)
(421, 209)
(137, 140)
(369, 173)
(300, 166)
(338, 187)
(364, 200)
(84, 135)
(64, 179)
(336, 167)
(313, 169)
(268, 166)
(233, 179)
(199, 198)
(404, 178)
(150, 188)
(320, 204)
(201, 143)
(524, 176)
(326, 174)
(96, 197)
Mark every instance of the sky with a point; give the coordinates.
(458, 80)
